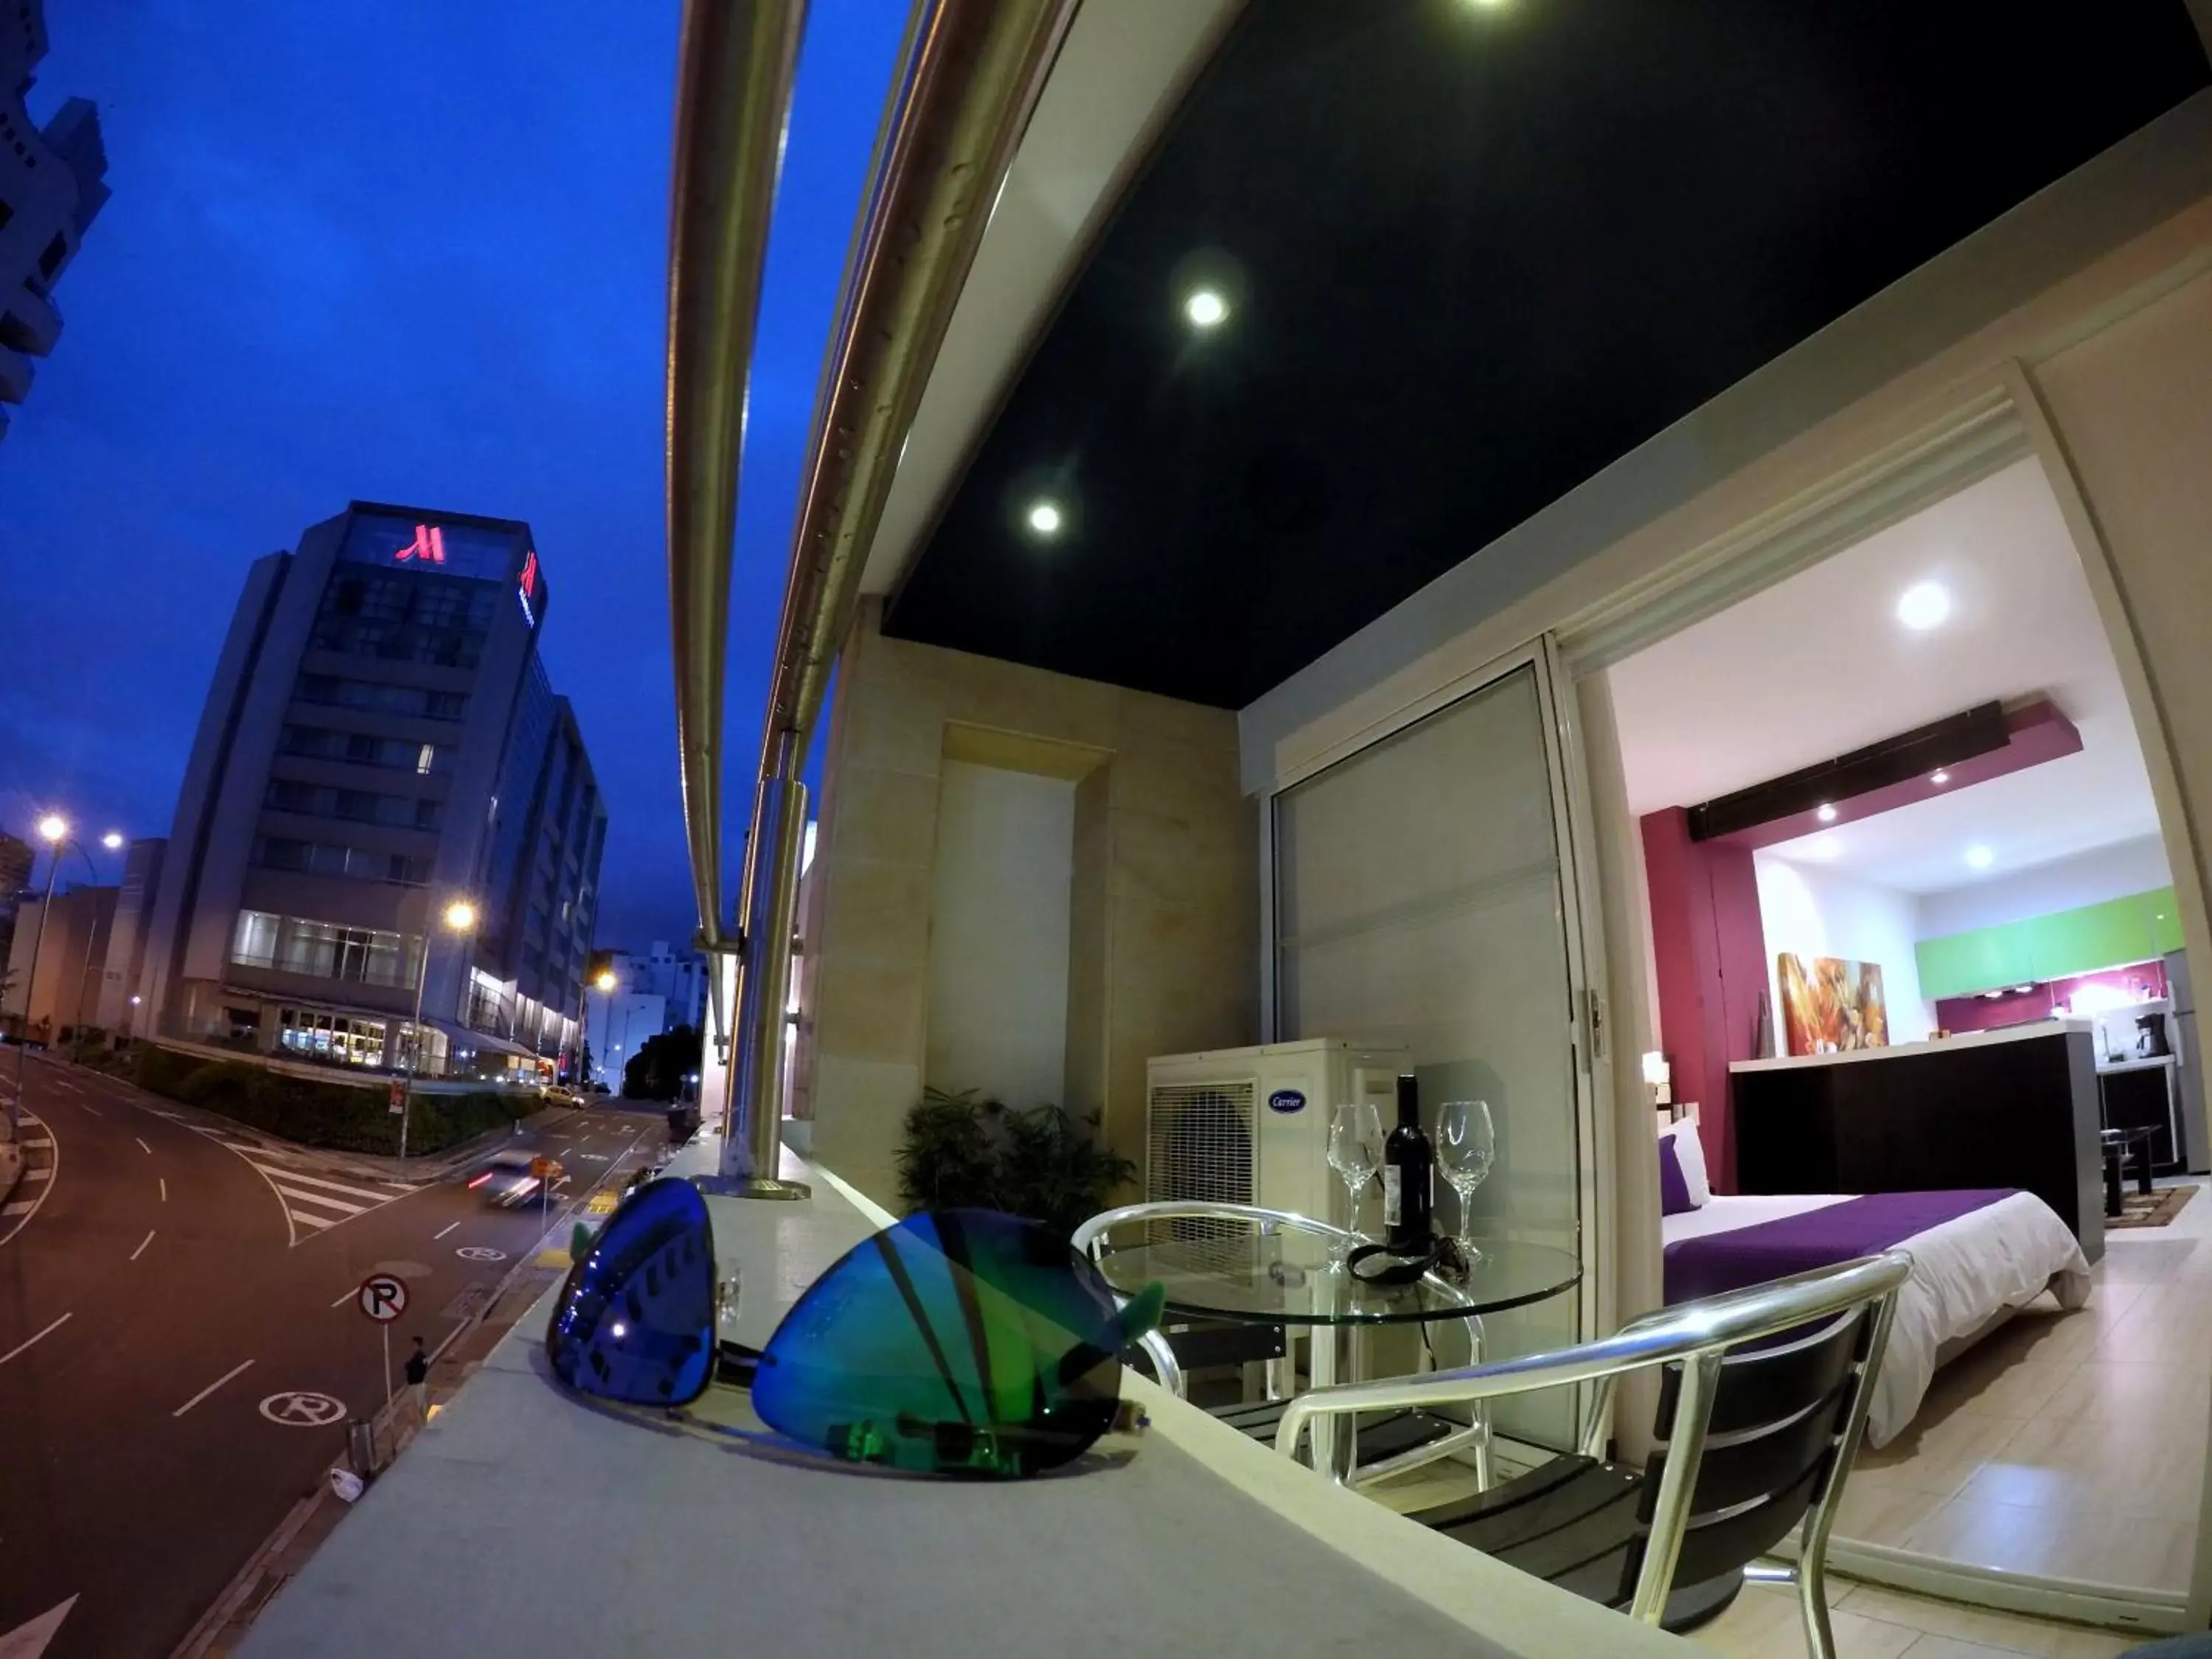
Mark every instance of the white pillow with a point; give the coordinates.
(1690, 1153)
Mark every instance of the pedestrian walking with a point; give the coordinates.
(418, 1378)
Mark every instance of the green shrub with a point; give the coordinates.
(342, 1116)
(959, 1153)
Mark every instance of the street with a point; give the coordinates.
(179, 1345)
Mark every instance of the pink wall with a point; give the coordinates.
(2039, 1001)
(1710, 952)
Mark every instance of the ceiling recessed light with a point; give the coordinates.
(1205, 308)
(1980, 856)
(1045, 518)
(1924, 604)
(1939, 777)
(1827, 813)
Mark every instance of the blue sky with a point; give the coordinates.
(411, 251)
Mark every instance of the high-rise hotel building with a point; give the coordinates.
(380, 741)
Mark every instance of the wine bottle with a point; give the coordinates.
(1409, 1170)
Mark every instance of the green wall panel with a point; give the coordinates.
(2108, 935)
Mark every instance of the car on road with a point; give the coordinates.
(510, 1178)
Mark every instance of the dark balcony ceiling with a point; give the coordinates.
(1473, 253)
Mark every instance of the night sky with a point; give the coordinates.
(414, 252)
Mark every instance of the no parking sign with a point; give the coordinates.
(382, 1298)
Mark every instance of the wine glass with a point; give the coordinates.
(1355, 1152)
(1466, 1146)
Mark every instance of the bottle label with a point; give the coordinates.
(1392, 1196)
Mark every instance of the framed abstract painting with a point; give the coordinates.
(1829, 1004)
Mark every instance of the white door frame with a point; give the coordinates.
(1572, 824)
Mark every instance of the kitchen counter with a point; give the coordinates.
(2144, 1064)
(2017, 1107)
(2041, 1027)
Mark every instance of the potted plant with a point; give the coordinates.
(960, 1153)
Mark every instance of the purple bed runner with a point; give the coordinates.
(1817, 1239)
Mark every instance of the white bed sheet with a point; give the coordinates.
(1965, 1273)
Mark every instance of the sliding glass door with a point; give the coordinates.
(1425, 895)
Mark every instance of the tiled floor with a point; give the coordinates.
(1872, 1622)
(2069, 1445)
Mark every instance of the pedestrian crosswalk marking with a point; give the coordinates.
(337, 1186)
(338, 1204)
(41, 1159)
(312, 1202)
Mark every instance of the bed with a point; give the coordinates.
(1977, 1258)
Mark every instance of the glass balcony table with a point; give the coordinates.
(1240, 1264)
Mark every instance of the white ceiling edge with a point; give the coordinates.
(1121, 74)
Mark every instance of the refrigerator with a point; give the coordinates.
(2189, 1079)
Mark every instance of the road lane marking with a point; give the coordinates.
(165, 1189)
(21, 1207)
(347, 1296)
(49, 1331)
(44, 1172)
(34, 1145)
(87, 1106)
(443, 1231)
(210, 1388)
(63, 1083)
(142, 1244)
(142, 1146)
(30, 1640)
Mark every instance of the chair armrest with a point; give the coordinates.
(1693, 1331)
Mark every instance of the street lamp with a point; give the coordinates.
(460, 917)
(54, 831)
(604, 982)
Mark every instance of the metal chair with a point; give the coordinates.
(1386, 1444)
(1764, 1399)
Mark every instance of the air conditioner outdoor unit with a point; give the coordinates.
(1250, 1125)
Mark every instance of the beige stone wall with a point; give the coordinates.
(1164, 914)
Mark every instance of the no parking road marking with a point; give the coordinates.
(480, 1253)
(303, 1408)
